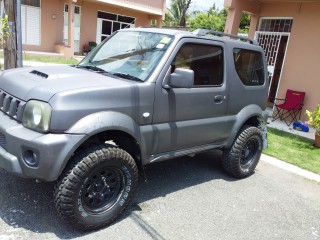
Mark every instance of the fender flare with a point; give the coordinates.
(103, 121)
(243, 116)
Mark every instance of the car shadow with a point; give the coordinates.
(29, 205)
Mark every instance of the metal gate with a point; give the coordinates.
(270, 42)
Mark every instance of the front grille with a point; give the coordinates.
(3, 142)
(12, 106)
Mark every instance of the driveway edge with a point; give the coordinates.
(290, 168)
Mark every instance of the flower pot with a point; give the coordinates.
(317, 140)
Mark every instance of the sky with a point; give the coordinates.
(202, 4)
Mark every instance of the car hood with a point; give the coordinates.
(43, 83)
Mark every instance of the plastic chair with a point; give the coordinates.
(291, 108)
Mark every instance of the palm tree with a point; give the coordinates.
(177, 13)
(183, 6)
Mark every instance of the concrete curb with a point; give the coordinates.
(290, 168)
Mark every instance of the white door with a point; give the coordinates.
(77, 18)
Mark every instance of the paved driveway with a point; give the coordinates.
(186, 198)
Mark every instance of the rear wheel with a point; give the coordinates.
(242, 158)
(96, 186)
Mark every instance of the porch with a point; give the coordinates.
(67, 27)
(281, 125)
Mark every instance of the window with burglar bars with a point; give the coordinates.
(275, 25)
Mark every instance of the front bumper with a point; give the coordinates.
(52, 151)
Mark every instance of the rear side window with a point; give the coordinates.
(249, 66)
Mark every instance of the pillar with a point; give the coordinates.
(71, 24)
(159, 22)
(233, 21)
(253, 25)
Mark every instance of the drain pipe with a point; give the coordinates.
(19, 34)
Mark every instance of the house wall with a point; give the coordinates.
(52, 29)
(152, 5)
(89, 19)
(302, 61)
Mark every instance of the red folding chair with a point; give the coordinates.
(291, 108)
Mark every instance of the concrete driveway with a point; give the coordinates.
(185, 198)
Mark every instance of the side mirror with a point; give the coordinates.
(181, 78)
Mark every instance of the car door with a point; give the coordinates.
(188, 117)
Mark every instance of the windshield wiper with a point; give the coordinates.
(91, 68)
(127, 76)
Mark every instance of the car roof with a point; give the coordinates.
(199, 34)
(173, 32)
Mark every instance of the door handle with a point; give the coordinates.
(219, 99)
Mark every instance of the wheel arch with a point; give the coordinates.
(111, 127)
(251, 115)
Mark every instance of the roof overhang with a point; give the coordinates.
(233, 3)
(288, 1)
(139, 8)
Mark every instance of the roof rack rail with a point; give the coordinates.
(204, 32)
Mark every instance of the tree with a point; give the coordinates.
(183, 6)
(206, 21)
(172, 17)
(244, 20)
(216, 20)
(4, 29)
(10, 39)
(177, 14)
(212, 20)
(3, 32)
(244, 23)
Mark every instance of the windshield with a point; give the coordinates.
(127, 53)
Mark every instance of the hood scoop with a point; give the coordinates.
(39, 74)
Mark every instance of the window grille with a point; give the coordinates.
(275, 25)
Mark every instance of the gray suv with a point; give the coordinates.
(142, 96)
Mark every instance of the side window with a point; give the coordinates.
(249, 66)
(205, 60)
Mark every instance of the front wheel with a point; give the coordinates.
(96, 186)
(242, 157)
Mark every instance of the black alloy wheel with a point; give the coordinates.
(102, 190)
(248, 152)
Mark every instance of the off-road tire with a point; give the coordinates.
(96, 186)
(241, 159)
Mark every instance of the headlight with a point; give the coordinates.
(37, 116)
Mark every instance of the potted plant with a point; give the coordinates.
(314, 121)
(92, 45)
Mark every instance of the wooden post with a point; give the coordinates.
(10, 41)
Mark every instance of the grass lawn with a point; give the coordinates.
(50, 59)
(293, 149)
(47, 59)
